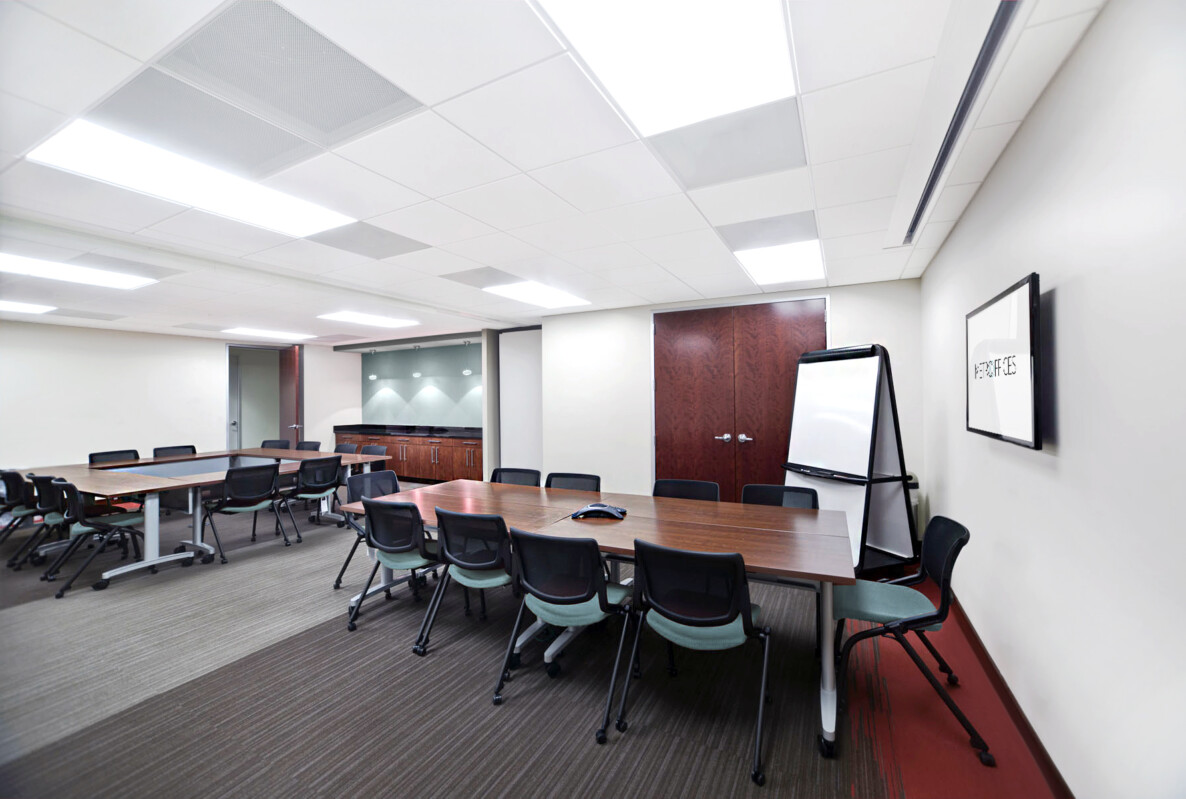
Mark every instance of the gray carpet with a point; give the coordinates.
(242, 680)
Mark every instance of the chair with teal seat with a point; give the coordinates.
(563, 583)
(246, 489)
(276, 443)
(898, 609)
(20, 502)
(317, 479)
(49, 507)
(84, 528)
(697, 600)
(396, 532)
(367, 485)
(518, 477)
(475, 549)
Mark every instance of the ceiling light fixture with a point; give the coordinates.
(371, 320)
(71, 273)
(95, 152)
(280, 335)
(372, 377)
(536, 294)
(712, 58)
(467, 372)
(784, 263)
(25, 307)
(415, 374)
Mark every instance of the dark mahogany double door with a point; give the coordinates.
(724, 387)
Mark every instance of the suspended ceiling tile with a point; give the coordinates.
(952, 201)
(933, 235)
(48, 63)
(610, 256)
(343, 186)
(24, 125)
(836, 42)
(549, 269)
(376, 275)
(1048, 10)
(692, 246)
(794, 285)
(918, 262)
(428, 154)
(571, 233)
(849, 220)
(434, 50)
(853, 180)
(214, 233)
(494, 249)
(616, 176)
(433, 262)
(980, 151)
(139, 28)
(667, 291)
(433, 223)
(775, 230)
(13, 244)
(482, 277)
(368, 240)
(867, 268)
(641, 275)
(777, 193)
(854, 246)
(543, 114)
(1039, 53)
(650, 218)
(64, 195)
(512, 202)
(309, 257)
(725, 284)
(866, 115)
(743, 144)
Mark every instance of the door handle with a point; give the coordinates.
(726, 437)
(742, 437)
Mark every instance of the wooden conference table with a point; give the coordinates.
(150, 477)
(778, 544)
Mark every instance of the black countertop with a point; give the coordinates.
(409, 430)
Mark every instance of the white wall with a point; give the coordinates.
(598, 381)
(1073, 574)
(333, 392)
(259, 395)
(520, 399)
(69, 391)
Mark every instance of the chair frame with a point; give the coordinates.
(418, 543)
(219, 505)
(306, 485)
(665, 483)
(360, 532)
(75, 512)
(500, 471)
(578, 475)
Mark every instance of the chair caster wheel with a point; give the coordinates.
(514, 661)
(59, 594)
(209, 559)
(387, 596)
(99, 586)
(152, 569)
(498, 699)
(601, 736)
(186, 563)
(224, 560)
(758, 777)
(287, 543)
(553, 669)
(36, 560)
(826, 748)
(312, 519)
(337, 586)
(341, 525)
(987, 759)
(419, 650)
(351, 626)
(620, 725)
(952, 679)
(177, 550)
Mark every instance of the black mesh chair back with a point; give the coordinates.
(15, 492)
(561, 571)
(113, 455)
(318, 474)
(182, 449)
(346, 449)
(478, 541)
(700, 589)
(49, 496)
(309, 446)
(395, 527)
(574, 481)
(783, 496)
(250, 485)
(275, 443)
(518, 477)
(373, 449)
(687, 489)
(941, 545)
(371, 484)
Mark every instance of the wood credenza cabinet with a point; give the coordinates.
(425, 457)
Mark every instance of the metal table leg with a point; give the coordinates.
(152, 542)
(827, 684)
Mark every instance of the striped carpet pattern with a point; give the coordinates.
(242, 680)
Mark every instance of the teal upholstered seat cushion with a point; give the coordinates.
(879, 602)
(471, 578)
(115, 520)
(53, 518)
(725, 636)
(401, 560)
(581, 614)
(321, 495)
(20, 511)
(247, 508)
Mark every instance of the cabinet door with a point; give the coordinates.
(440, 458)
(418, 461)
(467, 463)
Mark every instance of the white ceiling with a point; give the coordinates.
(514, 158)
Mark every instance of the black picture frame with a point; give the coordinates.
(1035, 363)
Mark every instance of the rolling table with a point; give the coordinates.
(778, 544)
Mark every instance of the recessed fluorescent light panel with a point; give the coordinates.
(71, 273)
(24, 307)
(536, 294)
(371, 320)
(96, 152)
(784, 263)
(280, 335)
(669, 63)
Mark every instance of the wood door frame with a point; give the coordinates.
(300, 382)
(827, 298)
